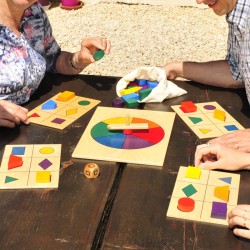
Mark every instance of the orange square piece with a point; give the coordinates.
(66, 96)
(188, 107)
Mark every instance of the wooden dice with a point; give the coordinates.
(91, 170)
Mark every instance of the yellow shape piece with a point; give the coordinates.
(46, 150)
(222, 193)
(71, 111)
(118, 120)
(43, 177)
(130, 90)
(193, 172)
(66, 96)
(204, 130)
(220, 115)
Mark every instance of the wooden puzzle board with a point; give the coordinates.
(58, 118)
(36, 158)
(204, 196)
(141, 147)
(202, 122)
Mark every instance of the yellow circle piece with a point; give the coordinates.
(46, 150)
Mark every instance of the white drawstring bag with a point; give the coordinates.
(164, 90)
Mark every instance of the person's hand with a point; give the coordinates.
(240, 216)
(218, 156)
(89, 46)
(239, 139)
(172, 70)
(12, 114)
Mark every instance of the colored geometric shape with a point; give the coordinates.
(34, 115)
(186, 204)
(129, 90)
(222, 192)
(9, 179)
(204, 130)
(141, 82)
(18, 151)
(193, 172)
(98, 55)
(226, 179)
(152, 84)
(118, 102)
(195, 120)
(209, 107)
(231, 127)
(49, 105)
(188, 107)
(189, 190)
(47, 150)
(219, 210)
(45, 164)
(113, 141)
(71, 111)
(43, 177)
(130, 96)
(15, 162)
(133, 142)
(131, 103)
(220, 115)
(58, 120)
(144, 93)
(84, 103)
(65, 96)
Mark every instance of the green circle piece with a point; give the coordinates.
(98, 55)
(84, 103)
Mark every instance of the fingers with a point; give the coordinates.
(95, 43)
(245, 233)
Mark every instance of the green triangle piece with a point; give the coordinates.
(10, 179)
(226, 179)
(195, 119)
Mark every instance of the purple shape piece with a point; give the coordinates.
(209, 107)
(134, 142)
(219, 210)
(45, 164)
(118, 103)
(58, 120)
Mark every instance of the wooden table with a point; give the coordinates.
(125, 207)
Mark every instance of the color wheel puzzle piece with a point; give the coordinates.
(145, 146)
(61, 110)
(197, 199)
(37, 167)
(208, 120)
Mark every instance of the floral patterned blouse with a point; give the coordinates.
(25, 59)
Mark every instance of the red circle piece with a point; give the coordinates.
(186, 204)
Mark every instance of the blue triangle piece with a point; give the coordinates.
(10, 179)
(226, 179)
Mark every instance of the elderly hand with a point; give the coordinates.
(239, 140)
(218, 156)
(12, 114)
(240, 216)
(173, 70)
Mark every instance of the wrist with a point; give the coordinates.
(73, 64)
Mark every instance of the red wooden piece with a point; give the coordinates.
(186, 204)
(188, 107)
(15, 161)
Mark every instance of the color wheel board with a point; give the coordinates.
(63, 113)
(30, 166)
(202, 122)
(202, 192)
(147, 146)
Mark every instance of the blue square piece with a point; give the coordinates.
(18, 150)
(231, 127)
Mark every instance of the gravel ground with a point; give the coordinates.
(141, 35)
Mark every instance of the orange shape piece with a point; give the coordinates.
(186, 204)
(222, 192)
(220, 115)
(65, 96)
(188, 107)
(15, 161)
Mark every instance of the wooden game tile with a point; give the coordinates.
(216, 176)
(199, 195)
(231, 126)
(45, 164)
(182, 176)
(49, 122)
(233, 196)
(173, 211)
(206, 214)
(47, 150)
(84, 103)
(229, 118)
(195, 120)
(55, 98)
(206, 131)
(54, 181)
(27, 153)
(25, 166)
(60, 105)
(177, 109)
(79, 112)
(208, 107)
(14, 180)
(42, 116)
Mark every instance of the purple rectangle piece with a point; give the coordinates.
(219, 210)
(58, 120)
